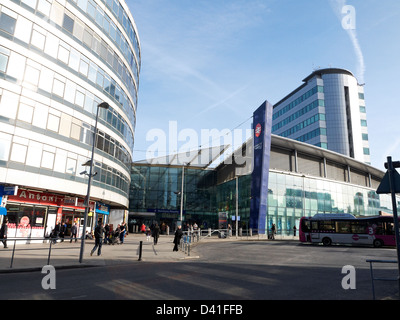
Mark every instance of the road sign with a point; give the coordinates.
(384, 186)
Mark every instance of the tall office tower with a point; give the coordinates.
(59, 60)
(328, 111)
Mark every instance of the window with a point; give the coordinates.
(363, 123)
(44, 7)
(53, 122)
(58, 87)
(25, 113)
(30, 3)
(5, 143)
(362, 109)
(71, 166)
(68, 23)
(32, 75)
(79, 98)
(38, 39)
(365, 136)
(34, 154)
(361, 95)
(18, 153)
(7, 23)
(63, 54)
(23, 29)
(47, 160)
(366, 151)
(4, 54)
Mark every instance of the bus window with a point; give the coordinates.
(389, 228)
(305, 225)
(343, 227)
(327, 225)
(379, 227)
(314, 225)
(359, 227)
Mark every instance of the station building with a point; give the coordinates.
(301, 180)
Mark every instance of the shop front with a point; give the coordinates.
(34, 214)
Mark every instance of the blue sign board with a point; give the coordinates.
(262, 124)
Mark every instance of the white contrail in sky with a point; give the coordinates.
(341, 10)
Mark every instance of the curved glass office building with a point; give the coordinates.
(58, 61)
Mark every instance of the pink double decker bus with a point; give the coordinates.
(347, 229)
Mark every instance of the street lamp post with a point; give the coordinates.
(103, 105)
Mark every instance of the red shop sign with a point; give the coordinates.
(47, 199)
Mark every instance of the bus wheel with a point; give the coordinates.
(326, 241)
(378, 243)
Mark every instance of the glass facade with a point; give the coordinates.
(156, 190)
(335, 120)
(155, 194)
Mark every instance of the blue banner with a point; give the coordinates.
(262, 124)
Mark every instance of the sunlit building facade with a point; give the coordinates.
(58, 61)
(303, 180)
(327, 110)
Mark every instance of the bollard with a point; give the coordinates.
(251, 232)
(209, 232)
(140, 250)
(48, 258)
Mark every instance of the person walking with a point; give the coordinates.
(63, 231)
(148, 233)
(3, 233)
(74, 231)
(177, 238)
(122, 234)
(273, 231)
(156, 233)
(98, 242)
(107, 234)
(56, 232)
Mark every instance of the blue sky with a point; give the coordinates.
(209, 64)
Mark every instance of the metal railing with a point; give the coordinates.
(371, 261)
(38, 240)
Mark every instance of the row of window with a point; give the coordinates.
(102, 19)
(39, 155)
(40, 78)
(299, 113)
(52, 46)
(312, 134)
(84, 34)
(303, 124)
(44, 117)
(56, 12)
(297, 101)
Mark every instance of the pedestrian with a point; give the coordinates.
(98, 242)
(156, 233)
(56, 232)
(143, 228)
(74, 232)
(63, 231)
(107, 233)
(294, 231)
(122, 233)
(3, 232)
(148, 234)
(177, 238)
(273, 230)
